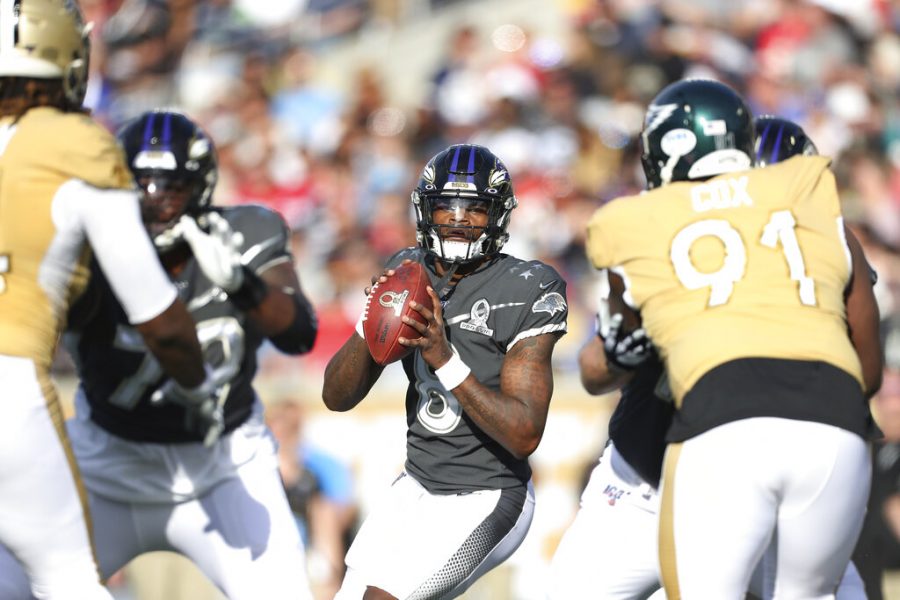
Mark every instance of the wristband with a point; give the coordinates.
(454, 372)
(251, 293)
(359, 324)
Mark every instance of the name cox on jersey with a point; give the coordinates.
(721, 193)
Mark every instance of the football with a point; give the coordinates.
(385, 307)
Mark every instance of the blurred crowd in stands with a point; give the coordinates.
(563, 112)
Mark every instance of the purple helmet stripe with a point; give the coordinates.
(774, 158)
(471, 170)
(455, 162)
(167, 129)
(148, 131)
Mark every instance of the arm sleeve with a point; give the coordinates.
(111, 221)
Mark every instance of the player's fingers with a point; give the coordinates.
(422, 310)
(615, 322)
(189, 227)
(217, 223)
(436, 307)
(420, 327)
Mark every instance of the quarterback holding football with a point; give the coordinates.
(480, 382)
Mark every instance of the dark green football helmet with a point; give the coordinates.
(695, 129)
(779, 139)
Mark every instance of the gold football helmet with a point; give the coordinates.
(45, 39)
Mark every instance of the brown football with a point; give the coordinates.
(386, 305)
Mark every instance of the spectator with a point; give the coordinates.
(320, 492)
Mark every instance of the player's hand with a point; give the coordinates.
(217, 252)
(626, 350)
(383, 276)
(433, 343)
(207, 419)
(203, 405)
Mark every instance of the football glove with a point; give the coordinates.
(203, 405)
(217, 252)
(627, 351)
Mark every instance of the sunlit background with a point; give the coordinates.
(326, 110)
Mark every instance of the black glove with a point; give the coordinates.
(626, 351)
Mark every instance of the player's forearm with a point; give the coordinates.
(891, 512)
(596, 377)
(287, 319)
(349, 375)
(515, 414)
(863, 318)
(284, 314)
(511, 421)
(172, 338)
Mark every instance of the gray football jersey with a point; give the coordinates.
(119, 375)
(488, 312)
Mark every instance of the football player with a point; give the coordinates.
(65, 193)
(157, 477)
(779, 139)
(621, 500)
(763, 312)
(480, 382)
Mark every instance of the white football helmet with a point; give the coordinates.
(45, 39)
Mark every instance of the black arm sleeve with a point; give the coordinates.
(300, 335)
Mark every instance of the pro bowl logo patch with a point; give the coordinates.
(394, 301)
(478, 317)
(550, 303)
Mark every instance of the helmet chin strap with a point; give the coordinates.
(665, 174)
(456, 259)
(443, 290)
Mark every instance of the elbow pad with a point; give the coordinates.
(300, 335)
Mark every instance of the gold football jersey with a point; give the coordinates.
(750, 264)
(43, 268)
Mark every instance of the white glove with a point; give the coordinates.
(217, 252)
(204, 411)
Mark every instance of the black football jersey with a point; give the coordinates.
(117, 373)
(641, 419)
(486, 313)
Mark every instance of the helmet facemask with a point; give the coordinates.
(174, 164)
(163, 202)
(457, 240)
